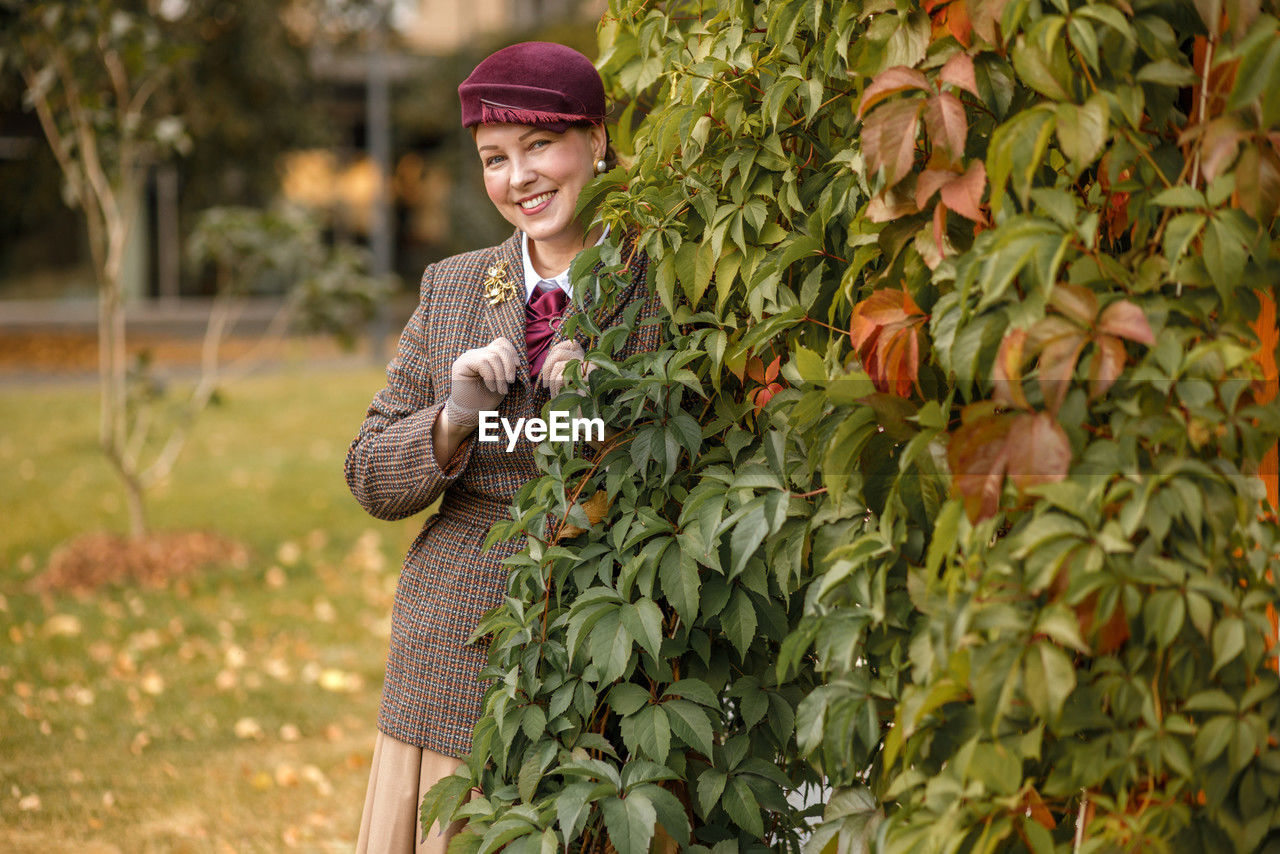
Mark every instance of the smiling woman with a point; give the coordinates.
(486, 337)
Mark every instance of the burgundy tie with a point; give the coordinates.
(541, 320)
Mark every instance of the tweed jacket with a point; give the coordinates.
(432, 694)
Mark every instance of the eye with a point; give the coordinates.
(494, 160)
(539, 143)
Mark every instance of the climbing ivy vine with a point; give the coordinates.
(943, 486)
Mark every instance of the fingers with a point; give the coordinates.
(507, 356)
(557, 361)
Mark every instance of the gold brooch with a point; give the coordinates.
(497, 287)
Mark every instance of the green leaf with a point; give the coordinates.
(741, 805)
(1228, 642)
(629, 822)
(643, 621)
(943, 539)
(710, 787)
(747, 536)
(1049, 678)
(626, 697)
(1082, 130)
(695, 690)
(678, 575)
(690, 724)
(610, 647)
(738, 620)
(671, 813)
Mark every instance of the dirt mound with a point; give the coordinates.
(92, 560)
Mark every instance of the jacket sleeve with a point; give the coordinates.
(391, 465)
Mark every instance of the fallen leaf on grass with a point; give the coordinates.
(286, 775)
(152, 683)
(332, 679)
(275, 577)
(62, 625)
(248, 728)
(29, 803)
(316, 777)
(289, 732)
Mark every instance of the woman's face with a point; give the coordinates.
(533, 176)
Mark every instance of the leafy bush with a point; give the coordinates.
(945, 477)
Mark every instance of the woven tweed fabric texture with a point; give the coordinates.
(432, 694)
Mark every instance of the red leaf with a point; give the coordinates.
(1218, 148)
(771, 372)
(1108, 362)
(929, 182)
(945, 122)
(899, 78)
(884, 332)
(1125, 320)
(890, 205)
(889, 139)
(964, 195)
(986, 19)
(1075, 302)
(1058, 367)
(1039, 451)
(939, 226)
(1008, 371)
(979, 455)
(958, 71)
(1034, 805)
(1112, 634)
(755, 369)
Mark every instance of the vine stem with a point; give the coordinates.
(823, 323)
(1084, 805)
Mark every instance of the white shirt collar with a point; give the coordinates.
(531, 277)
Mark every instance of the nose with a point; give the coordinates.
(522, 172)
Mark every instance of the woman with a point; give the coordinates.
(485, 336)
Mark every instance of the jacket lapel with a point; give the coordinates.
(506, 318)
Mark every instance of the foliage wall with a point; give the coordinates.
(945, 479)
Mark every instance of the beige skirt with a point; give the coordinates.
(400, 775)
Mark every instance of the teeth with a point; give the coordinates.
(536, 200)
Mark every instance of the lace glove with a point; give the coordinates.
(479, 380)
(559, 357)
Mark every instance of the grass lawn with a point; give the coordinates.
(229, 711)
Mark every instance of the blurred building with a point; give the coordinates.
(417, 52)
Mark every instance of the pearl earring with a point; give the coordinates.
(601, 167)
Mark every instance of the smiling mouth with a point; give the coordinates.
(536, 201)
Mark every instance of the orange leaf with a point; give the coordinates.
(884, 332)
(979, 455)
(899, 78)
(945, 122)
(964, 195)
(1108, 362)
(771, 372)
(1039, 451)
(986, 19)
(1008, 371)
(1075, 302)
(889, 139)
(1125, 320)
(939, 227)
(1034, 804)
(958, 71)
(929, 182)
(1058, 367)
(755, 369)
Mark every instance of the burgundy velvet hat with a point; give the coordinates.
(533, 83)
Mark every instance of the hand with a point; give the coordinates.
(558, 358)
(479, 381)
